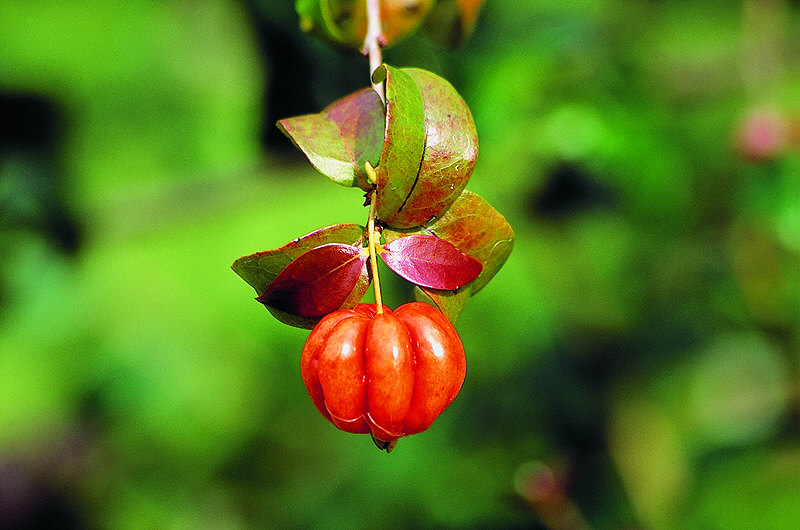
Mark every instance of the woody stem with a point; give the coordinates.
(373, 42)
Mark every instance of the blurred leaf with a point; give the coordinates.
(476, 229)
(404, 141)
(317, 282)
(345, 21)
(751, 488)
(698, 244)
(430, 261)
(451, 21)
(338, 140)
(739, 392)
(261, 268)
(645, 444)
(311, 19)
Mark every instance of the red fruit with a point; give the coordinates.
(390, 375)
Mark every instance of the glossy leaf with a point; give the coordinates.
(477, 230)
(429, 261)
(261, 268)
(318, 282)
(451, 21)
(451, 150)
(361, 287)
(345, 21)
(338, 140)
(404, 141)
(422, 172)
(309, 322)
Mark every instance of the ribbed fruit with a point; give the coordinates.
(389, 375)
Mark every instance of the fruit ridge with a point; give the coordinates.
(389, 375)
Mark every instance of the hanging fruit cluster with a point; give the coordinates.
(369, 369)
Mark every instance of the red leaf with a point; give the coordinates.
(317, 282)
(430, 261)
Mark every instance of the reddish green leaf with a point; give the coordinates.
(429, 261)
(338, 140)
(261, 268)
(309, 322)
(451, 21)
(404, 141)
(317, 282)
(361, 120)
(421, 174)
(451, 150)
(477, 230)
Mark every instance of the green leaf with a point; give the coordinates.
(451, 150)
(450, 303)
(451, 21)
(261, 268)
(414, 186)
(338, 140)
(423, 143)
(311, 19)
(476, 229)
(346, 20)
(404, 141)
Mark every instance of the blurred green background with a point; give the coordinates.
(634, 364)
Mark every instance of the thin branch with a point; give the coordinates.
(373, 241)
(372, 48)
(374, 41)
(373, 260)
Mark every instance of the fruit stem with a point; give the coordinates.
(373, 262)
(373, 42)
(384, 445)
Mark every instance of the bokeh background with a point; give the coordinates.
(634, 364)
